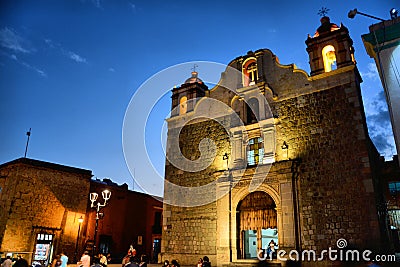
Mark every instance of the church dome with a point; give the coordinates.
(194, 78)
(326, 26)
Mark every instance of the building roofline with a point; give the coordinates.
(44, 164)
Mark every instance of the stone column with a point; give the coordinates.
(288, 239)
(237, 148)
(223, 224)
(268, 132)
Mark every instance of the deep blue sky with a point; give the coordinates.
(68, 69)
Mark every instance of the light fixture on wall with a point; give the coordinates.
(285, 146)
(226, 157)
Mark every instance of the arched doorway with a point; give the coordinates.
(256, 224)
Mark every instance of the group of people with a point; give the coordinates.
(174, 263)
(60, 260)
(202, 262)
(100, 260)
(20, 262)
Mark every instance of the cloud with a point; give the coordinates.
(379, 125)
(76, 57)
(111, 69)
(71, 55)
(96, 3)
(11, 40)
(371, 73)
(49, 43)
(26, 65)
(133, 6)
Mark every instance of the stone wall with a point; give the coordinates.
(192, 231)
(327, 132)
(40, 197)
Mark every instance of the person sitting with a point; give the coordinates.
(133, 262)
(174, 263)
(96, 262)
(143, 261)
(103, 260)
(206, 262)
(200, 263)
(271, 251)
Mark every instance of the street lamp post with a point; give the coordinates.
(93, 197)
(80, 221)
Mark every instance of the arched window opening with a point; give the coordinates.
(250, 73)
(252, 111)
(255, 151)
(183, 105)
(256, 224)
(329, 57)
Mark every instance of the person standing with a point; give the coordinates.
(64, 260)
(57, 261)
(7, 262)
(85, 260)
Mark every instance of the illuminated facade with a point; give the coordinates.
(289, 160)
(41, 203)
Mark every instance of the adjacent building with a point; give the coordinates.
(382, 43)
(45, 210)
(40, 204)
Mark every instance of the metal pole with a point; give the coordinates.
(370, 16)
(27, 141)
(95, 234)
(76, 245)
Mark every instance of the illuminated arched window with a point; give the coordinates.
(329, 56)
(249, 72)
(255, 151)
(182, 105)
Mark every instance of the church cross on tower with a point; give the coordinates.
(323, 11)
(194, 67)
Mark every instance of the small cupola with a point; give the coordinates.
(185, 97)
(194, 78)
(326, 26)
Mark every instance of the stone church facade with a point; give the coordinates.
(287, 157)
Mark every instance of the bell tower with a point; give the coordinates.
(187, 95)
(330, 48)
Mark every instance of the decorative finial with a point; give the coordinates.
(323, 11)
(194, 67)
